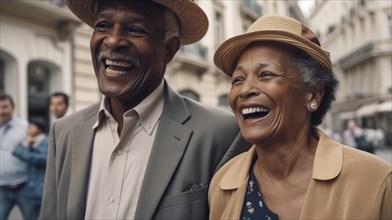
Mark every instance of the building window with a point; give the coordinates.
(38, 76)
(219, 29)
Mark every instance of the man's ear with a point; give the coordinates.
(172, 46)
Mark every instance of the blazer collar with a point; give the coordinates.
(169, 146)
(328, 161)
(81, 143)
(239, 171)
(327, 164)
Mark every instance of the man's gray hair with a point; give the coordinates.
(172, 25)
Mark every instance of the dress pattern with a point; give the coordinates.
(254, 206)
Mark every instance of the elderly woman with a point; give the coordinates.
(282, 86)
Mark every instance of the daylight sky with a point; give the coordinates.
(305, 5)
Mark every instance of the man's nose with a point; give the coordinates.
(117, 38)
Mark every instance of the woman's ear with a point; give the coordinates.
(172, 46)
(314, 98)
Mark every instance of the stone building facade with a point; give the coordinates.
(358, 34)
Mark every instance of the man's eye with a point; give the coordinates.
(135, 31)
(102, 26)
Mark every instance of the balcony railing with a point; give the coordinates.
(357, 53)
(196, 50)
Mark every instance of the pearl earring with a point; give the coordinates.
(313, 105)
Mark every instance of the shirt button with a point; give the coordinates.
(111, 199)
(148, 126)
(119, 153)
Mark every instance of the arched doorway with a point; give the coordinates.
(40, 79)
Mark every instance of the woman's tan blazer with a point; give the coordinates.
(346, 184)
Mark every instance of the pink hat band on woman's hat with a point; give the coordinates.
(193, 20)
(271, 28)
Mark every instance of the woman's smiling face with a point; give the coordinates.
(267, 94)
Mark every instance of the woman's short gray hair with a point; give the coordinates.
(314, 75)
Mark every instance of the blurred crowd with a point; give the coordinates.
(363, 138)
(23, 150)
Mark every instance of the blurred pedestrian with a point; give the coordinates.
(33, 150)
(58, 104)
(355, 136)
(13, 171)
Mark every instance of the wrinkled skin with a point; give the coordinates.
(265, 78)
(129, 37)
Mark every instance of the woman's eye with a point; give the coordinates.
(266, 75)
(236, 80)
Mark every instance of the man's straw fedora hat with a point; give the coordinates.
(271, 28)
(193, 20)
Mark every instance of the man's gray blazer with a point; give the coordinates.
(192, 141)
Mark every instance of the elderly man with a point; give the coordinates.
(144, 152)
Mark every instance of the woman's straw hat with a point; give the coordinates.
(271, 28)
(193, 20)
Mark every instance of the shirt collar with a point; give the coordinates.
(149, 110)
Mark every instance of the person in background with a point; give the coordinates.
(58, 104)
(144, 151)
(355, 136)
(34, 151)
(352, 131)
(13, 171)
(282, 86)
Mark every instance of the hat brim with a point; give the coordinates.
(193, 20)
(228, 53)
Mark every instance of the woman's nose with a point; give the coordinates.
(249, 88)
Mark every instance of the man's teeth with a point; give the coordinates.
(115, 72)
(117, 63)
(252, 110)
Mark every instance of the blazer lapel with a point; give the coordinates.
(169, 145)
(81, 143)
